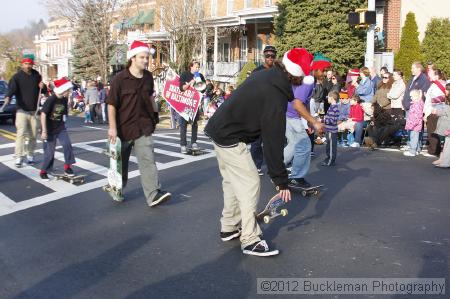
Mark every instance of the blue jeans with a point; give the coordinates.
(298, 149)
(359, 128)
(49, 150)
(205, 104)
(414, 142)
(256, 151)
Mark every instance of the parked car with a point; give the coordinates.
(10, 109)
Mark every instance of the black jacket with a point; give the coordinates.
(26, 89)
(421, 83)
(256, 108)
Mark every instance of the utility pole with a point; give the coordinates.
(370, 43)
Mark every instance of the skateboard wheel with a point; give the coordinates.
(316, 192)
(266, 219)
(284, 212)
(304, 193)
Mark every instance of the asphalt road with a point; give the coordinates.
(381, 215)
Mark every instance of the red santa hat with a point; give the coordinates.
(28, 58)
(353, 72)
(297, 62)
(136, 48)
(62, 85)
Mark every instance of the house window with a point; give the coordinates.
(259, 49)
(247, 4)
(267, 2)
(244, 48)
(230, 7)
(226, 52)
(213, 8)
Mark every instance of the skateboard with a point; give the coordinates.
(313, 190)
(114, 186)
(272, 209)
(195, 152)
(74, 179)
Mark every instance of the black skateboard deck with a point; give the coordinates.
(195, 152)
(313, 190)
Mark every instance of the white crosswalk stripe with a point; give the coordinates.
(61, 189)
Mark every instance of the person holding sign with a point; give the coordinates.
(192, 78)
(133, 116)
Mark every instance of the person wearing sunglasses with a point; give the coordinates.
(383, 88)
(270, 53)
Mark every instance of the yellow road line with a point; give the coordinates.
(8, 132)
(8, 136)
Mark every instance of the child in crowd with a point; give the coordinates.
(331, 128)
(87, 115)
(355, 122)
(228, 92)
(218, 97)
(443, 129)
(344, 111)
(211, 109)
(53, 117)
(414, 122)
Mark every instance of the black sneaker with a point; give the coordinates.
(260, 172)
(228, 236)
(326, 163)
(69, 172)
(160, 197)
(259, 248)
(299, 183)
(44, 177)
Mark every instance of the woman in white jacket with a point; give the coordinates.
(434, 99)
(395, 95)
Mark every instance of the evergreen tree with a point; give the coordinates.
(248, 67)
(409, 51)
(436, 44)
(321, 26)
(85, 66)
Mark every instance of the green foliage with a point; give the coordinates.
(12, 66)
(85, 64)
(93, 46)
(436, 44)
(409, 51)
(321, 26)
(248, 67)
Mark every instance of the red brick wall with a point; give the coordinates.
(392, 24)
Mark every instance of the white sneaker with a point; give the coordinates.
(30, 159)
(405, 148)
(408, 154)
(195, 146)
(355, 144)
(426, 154)
(183, 150)
(18, 162)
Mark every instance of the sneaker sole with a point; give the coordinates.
(232, 237)
(269, 253)
(163, 198)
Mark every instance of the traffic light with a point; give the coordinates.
(362, 18)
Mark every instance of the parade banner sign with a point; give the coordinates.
(185, 103)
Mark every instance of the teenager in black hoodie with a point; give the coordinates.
(257, 108)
